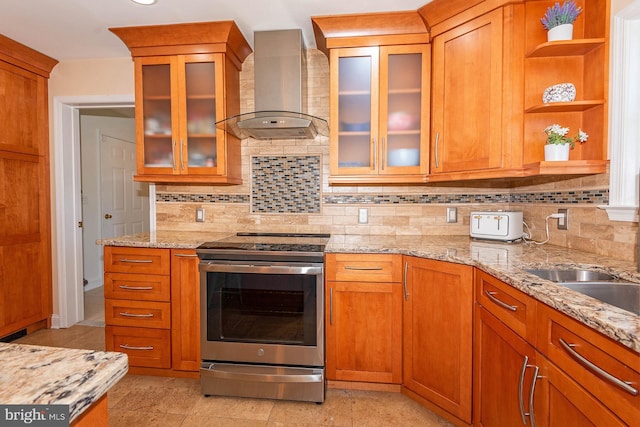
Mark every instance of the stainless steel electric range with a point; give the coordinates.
(262, 316)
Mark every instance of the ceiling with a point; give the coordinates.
(78, 29)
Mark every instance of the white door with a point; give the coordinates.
(125, 202)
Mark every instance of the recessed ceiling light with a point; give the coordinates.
(145, 2)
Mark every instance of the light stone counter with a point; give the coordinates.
(33, 374)
(165, 239)
(507, 262)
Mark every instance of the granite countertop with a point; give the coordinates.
(50, 375)
(505, 261)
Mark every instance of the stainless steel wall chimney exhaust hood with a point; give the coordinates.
(280, 83)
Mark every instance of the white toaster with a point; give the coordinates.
(505, 226)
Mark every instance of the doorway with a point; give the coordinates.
(67, 209)
(112, 203)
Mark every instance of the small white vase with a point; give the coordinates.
(556, 152)
(561, 32)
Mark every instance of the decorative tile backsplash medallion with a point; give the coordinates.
(285, 184)
(596, 197)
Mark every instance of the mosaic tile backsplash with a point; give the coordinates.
(285, 184)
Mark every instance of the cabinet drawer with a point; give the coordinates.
(364, 267)
(143, 314)
(145, 347)
(144, 287)
(514, 308)
(119, 259)
(608, 370)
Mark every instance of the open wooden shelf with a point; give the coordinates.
(564, 107)
(566, 48)
(570, 167)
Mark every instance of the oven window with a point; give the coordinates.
(262, 308)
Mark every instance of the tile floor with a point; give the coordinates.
(157, 401)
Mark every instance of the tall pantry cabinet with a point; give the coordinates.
(25, 224)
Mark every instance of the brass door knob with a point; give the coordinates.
(107, 216)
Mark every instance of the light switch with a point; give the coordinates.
(363, 216)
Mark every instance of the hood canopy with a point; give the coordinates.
(280, 84)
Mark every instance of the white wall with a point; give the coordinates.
(91, 78)
(90, 127)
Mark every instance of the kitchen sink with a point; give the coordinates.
(574, 275)
(596, 284)
(624, 295)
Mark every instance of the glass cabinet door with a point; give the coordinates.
(403, 106)
(201, 149)
(157, 116)
(357, 99)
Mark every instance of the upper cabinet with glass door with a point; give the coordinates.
(379, 97)
(179, 97)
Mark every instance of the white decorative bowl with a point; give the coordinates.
(562, 92)
(404, 157)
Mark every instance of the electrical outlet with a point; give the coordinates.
(563, 222)
(363, 215)
(199, 214)
(452, 215)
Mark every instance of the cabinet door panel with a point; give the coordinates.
(185, 310)
(364, 331)
(438, 333)
(467, 96)
(404, 109)
(500, 357)
(354, 113)
(156, 116)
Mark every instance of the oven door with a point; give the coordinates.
(262, 312)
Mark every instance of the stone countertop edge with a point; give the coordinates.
(33, 374)
(506, 262)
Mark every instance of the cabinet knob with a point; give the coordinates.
(107, 216)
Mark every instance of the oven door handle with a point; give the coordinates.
(255, 268)
(271, 378)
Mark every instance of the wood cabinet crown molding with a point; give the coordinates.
(24, 57)
(369, 29)
(192, 38)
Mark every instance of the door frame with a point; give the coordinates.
(66, 236)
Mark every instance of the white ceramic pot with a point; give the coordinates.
(561, 32)
(556, 152)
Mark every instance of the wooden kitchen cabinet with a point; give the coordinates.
(438, 334)
(583, 355)
(138, 305)
(152, 309)
(504, 366)
(25, 225)
(182, 89)
(474, 132)
(364, 318)
(185, 310)
(379, 97)
(523, 373)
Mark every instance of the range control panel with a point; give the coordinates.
(499, 225)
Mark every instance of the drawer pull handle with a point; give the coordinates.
(136, 288)
(626, 386)
(136, 261)
(186, 255)
(348, 267)
(532, 394)
(523, 414)
(404, 282)
(490, 295)
(130, 347)
(125, 314)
